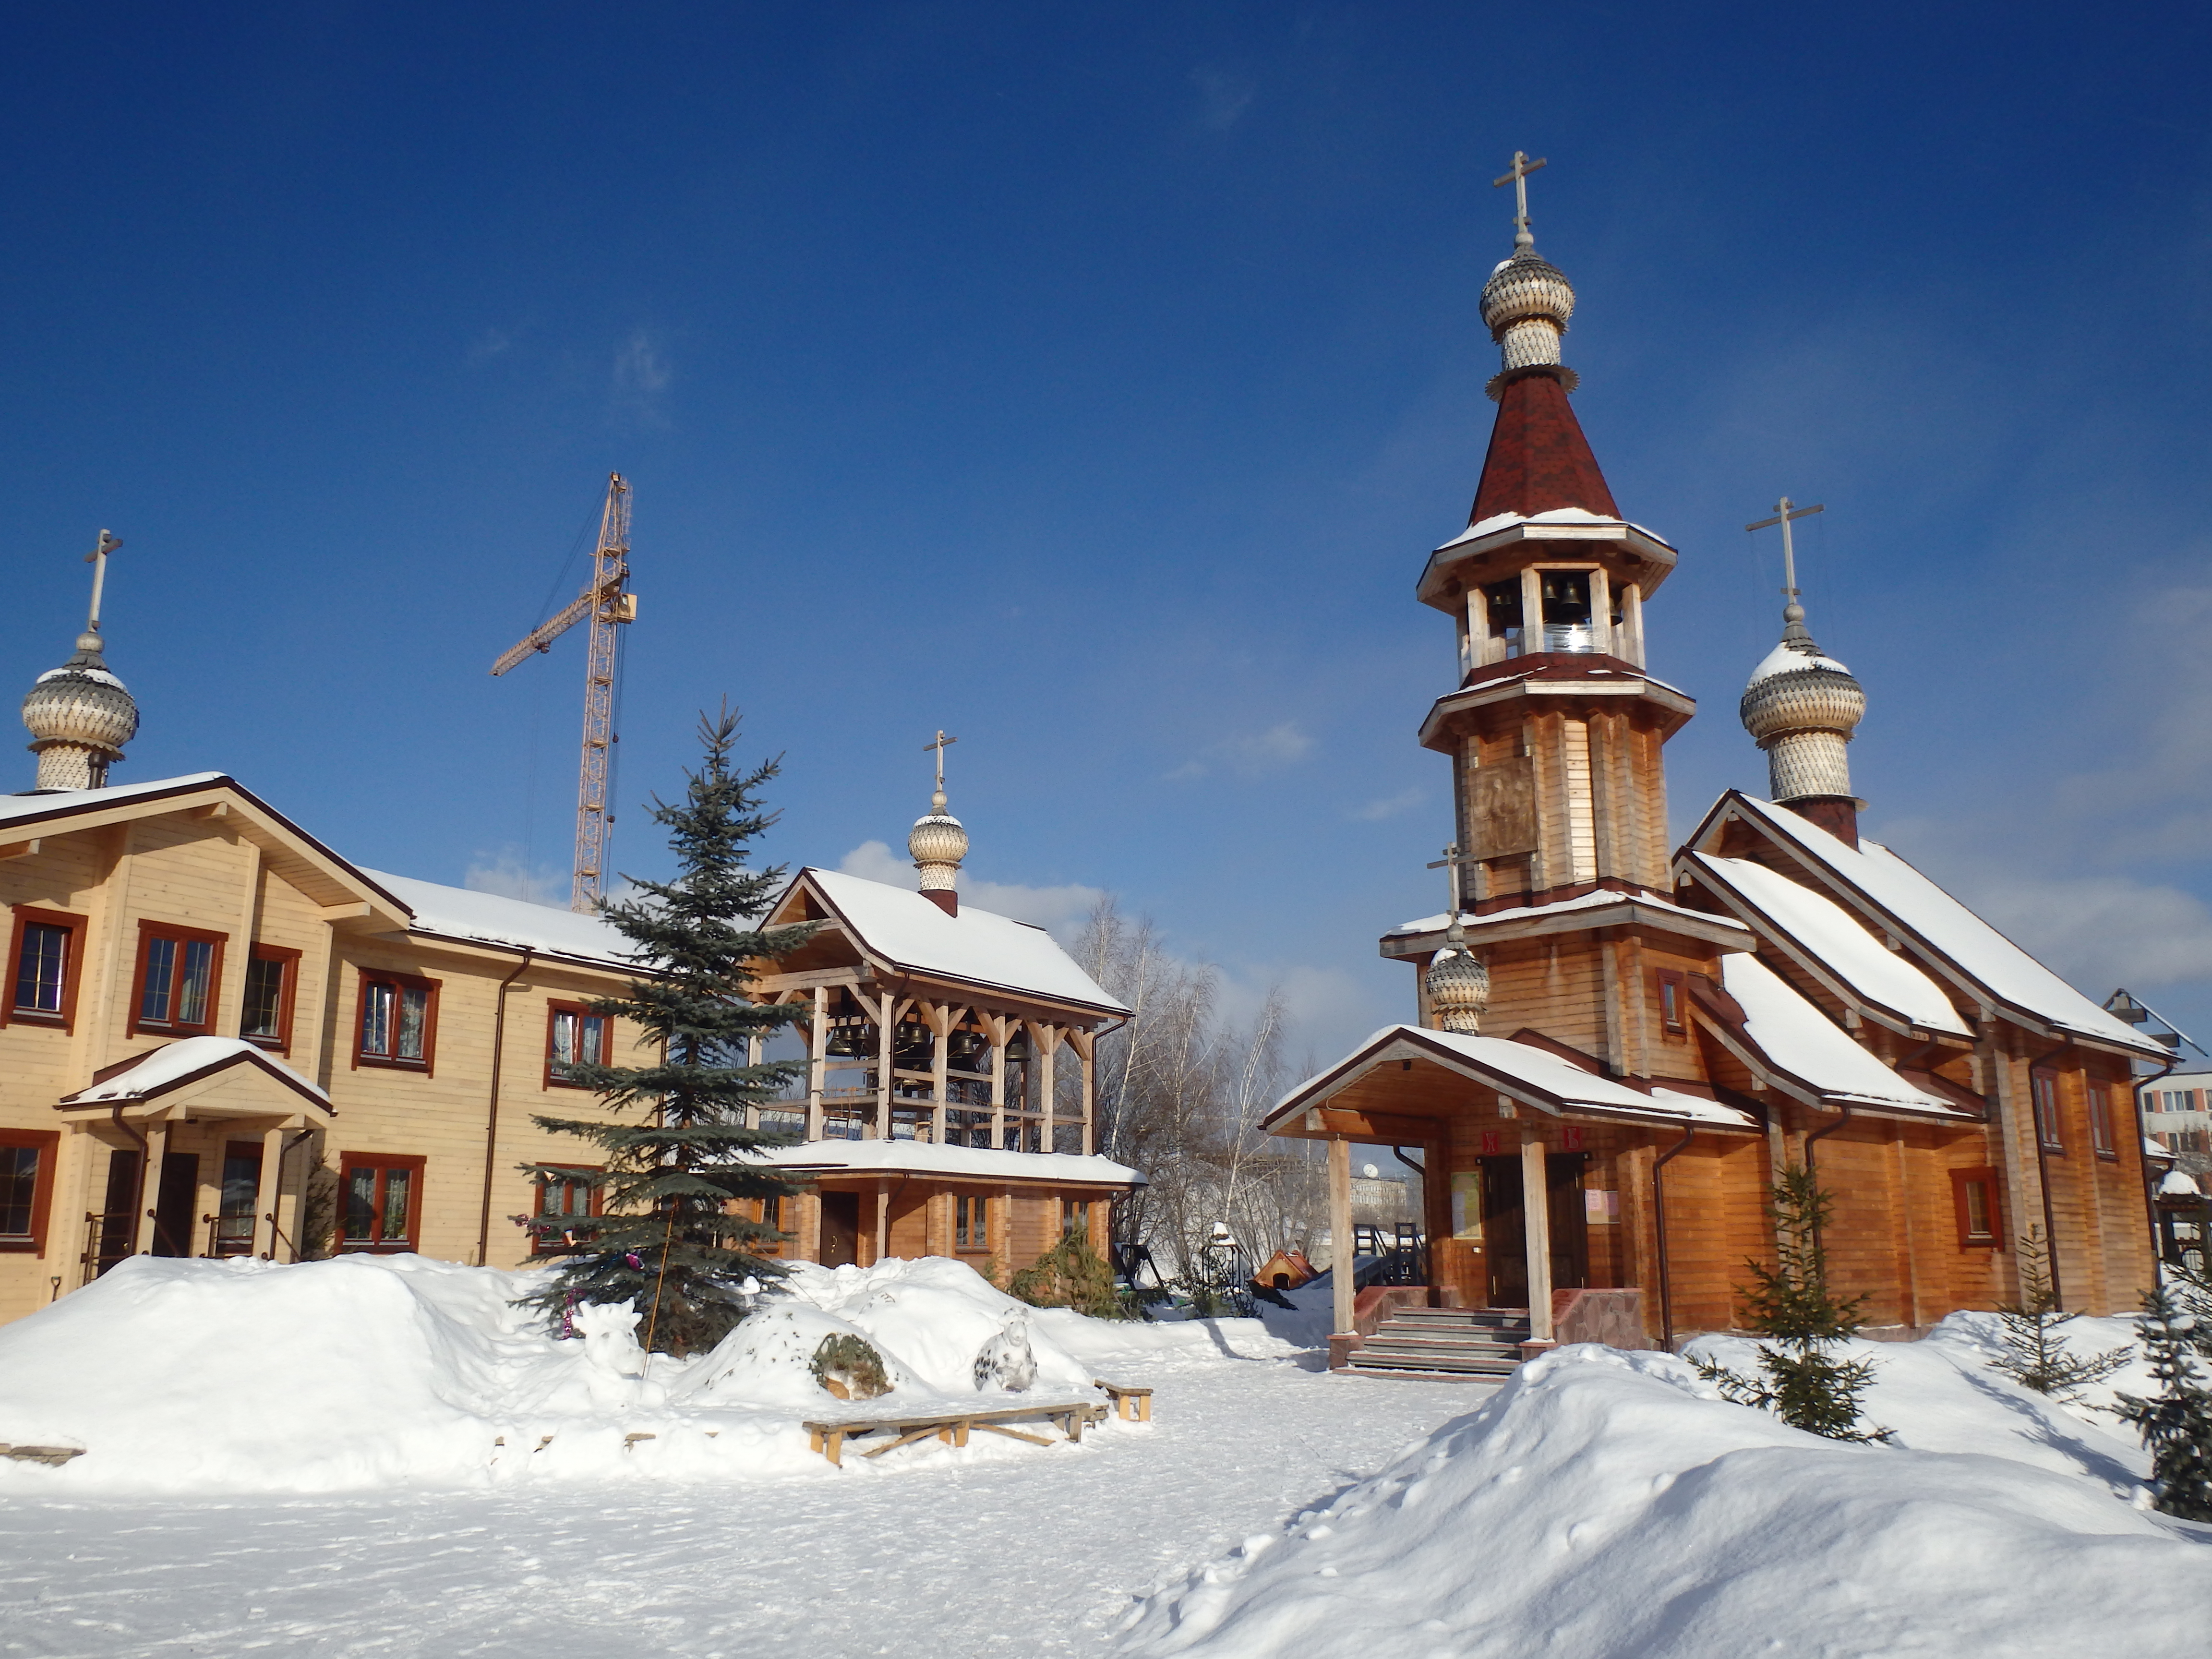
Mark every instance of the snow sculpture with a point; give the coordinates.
(1006, 1361)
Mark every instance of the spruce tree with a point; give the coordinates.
(1801, 1379)
(2177, 1423)
(667, 1240)
(2035, 1355)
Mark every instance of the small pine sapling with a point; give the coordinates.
(1071, 1274)
(2176, 1423)
(669, 1241)
(2035, 1355)
(1801, 1380)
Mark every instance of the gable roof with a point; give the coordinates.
(474, 918)
(1801, 1045)
(902, 930)
(1880, 885)
(187, 1067)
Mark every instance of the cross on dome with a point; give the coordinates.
(80, 715)
(1793, 614)
(938, 842)
(1517, 176)
(938, 743)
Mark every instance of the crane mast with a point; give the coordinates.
(608, 602)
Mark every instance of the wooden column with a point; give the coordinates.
(886, 1017)
(1341, 1268)
(149, 1185)
(883, 1220)
(996, 1027)
(265, 1197)
(1045, 1041)
(1536, 1223)
(817, 1064)
(1085, 1044)
(310, 1158)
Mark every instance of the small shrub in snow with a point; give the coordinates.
(2035, 1355)
(1071, 1274)
(850, 1367)
(669, 1241)
(2176, 1425)
(1801, 1380)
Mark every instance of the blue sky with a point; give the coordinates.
(1090, 380)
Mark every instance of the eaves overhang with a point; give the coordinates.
(1642, 916)
(1540, 694)
(1653, 558)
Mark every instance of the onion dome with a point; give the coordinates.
(1801, 707)
(79, 716)
(936, 843)
(1525, 305)
(1458, 984)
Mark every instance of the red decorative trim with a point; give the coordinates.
(47, 1144)
(606, 1042)
(281, 1042)
(150, 931)
(72, 969)
(381, 1162)
(1986, 1177)
(428, 1063)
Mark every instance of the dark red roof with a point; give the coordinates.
(1539, 459)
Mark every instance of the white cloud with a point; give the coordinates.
(1059, 908)
(640, 374)
(1390, 805)
(1250, 755)
(492, 343)
(2101, 932)
(1223, 99)
(507, 875)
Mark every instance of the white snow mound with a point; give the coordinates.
(1603, 1504)
(363, 1372)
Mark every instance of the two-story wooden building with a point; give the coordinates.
(1616, 1051)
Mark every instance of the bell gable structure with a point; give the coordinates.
(1617, 1051)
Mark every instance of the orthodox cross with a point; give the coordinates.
(1452, 863)
(1785, 511)
(1518, 178)
(939, 744)
(98, 560)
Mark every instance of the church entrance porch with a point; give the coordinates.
(1500, 1223)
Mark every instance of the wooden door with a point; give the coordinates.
(173, 1209)
(1504, 1237)
(1569, 1220)
(840, 1229)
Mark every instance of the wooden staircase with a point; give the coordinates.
(1471, 1344)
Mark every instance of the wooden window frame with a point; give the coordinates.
(979, 1214)
(47, 1144)
(426, 1067)
(281, 1042)
(1673, 980)
(539, 1243)
(1986, 1177)
(348, 1162)
(1067, 1225)
(2050, 1138)
(562, 1005)
(2103, 1141)
(72, 971)
(149, 931)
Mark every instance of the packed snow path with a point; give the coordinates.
(1003, 1551)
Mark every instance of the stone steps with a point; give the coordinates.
(1458, 1344)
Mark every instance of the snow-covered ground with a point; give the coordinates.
(304, 1461)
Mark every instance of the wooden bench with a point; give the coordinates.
(1131, 1403)
(828, 1437)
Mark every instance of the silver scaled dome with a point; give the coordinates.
(936, 843)
(79, 716)
(1525, 305)
(1458, 985)
(1802, 707)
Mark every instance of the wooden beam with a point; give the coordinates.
(20, 850)
(1341, 1270)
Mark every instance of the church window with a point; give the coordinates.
(574, 1037)
(1567, 610)
(26, 1183)
(179, 969)
(1974, 1200)
(45, 961)
(399, 1023)
(2100, 1122)
(1670, 1000)
(1074, 1216)
(271, 974)
(382, 1201)
(564, 1197)
(971, 1224)
(2043, 1087)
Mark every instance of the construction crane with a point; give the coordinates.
(607, 600)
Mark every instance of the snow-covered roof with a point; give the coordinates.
(1806, 1043)
(1557, 515)
(2174, 1184)
(183, 1060)
(1596, 900)
(1786, 659)
(488, 919)
(54, 802)
(927, 1158)
(1824, 930)
(1979, 951)
(1535, 1077)
(899, 927)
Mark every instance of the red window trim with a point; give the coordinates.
(2103, 1133)
(281, 1042)
(2055, 1141)
(1987, 1174)
(47, 1143)
(539, 1243)
(426, 1067)
(173, 1028)
(27, 916)
(1680, 1025)
(348, 1162)
(607, 1043)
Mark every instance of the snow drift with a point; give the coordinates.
(1603, 1504)
(201, 1377)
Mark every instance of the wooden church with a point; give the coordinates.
(1618, 1050)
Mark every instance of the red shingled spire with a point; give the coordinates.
(1539, 459)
